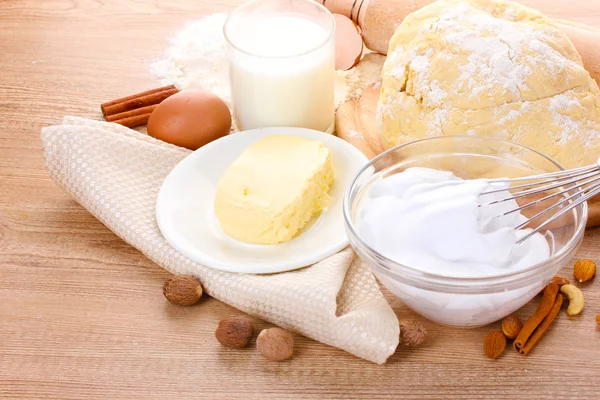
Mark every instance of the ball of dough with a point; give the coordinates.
(489, 68)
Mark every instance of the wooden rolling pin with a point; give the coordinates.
(379, 19)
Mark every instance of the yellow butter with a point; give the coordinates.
(273, 189)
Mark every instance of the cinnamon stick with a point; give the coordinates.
(144, 99)
(132, 113)
(541, 329)
(133, 121)
(546, 304)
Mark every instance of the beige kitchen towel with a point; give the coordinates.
(116, 173)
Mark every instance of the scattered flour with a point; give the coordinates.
(436, 94)
(439, 119)
(352, 134)
(196, 58)
(512, 115)
(559, 106)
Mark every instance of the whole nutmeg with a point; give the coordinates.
(511, 326)
(235, 331)
(183, 290)
(494, 344)
(412, 332)
(584, 270)
(275, 344)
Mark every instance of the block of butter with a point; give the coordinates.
(273, 189)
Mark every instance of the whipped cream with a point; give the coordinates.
(433, 221)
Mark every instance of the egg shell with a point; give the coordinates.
(190, 119)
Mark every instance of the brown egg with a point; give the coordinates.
(348, 43)
(190, 118)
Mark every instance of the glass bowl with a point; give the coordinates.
(464, 302)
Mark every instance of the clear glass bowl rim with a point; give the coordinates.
(246, 4)
(396, 270)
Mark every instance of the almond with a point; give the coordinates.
(511, 326)
(494, 344)
(584, 270)
(560, 281)
(183, 290)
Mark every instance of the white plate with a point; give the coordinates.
(185, 216)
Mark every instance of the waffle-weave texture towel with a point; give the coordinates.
(116, 173)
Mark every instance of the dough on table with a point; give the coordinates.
(489, 68)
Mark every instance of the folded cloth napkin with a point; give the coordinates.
(116, 173)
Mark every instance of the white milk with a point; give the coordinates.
(282, 70)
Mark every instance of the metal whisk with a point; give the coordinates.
(584, 182)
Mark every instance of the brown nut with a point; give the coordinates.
(598, 319)
(275, 344)
(235, 331)
(183, 290)
(576, 299)
(412, 332)
(584, 270)
(511, 326)
(560, 281)
(494, 344)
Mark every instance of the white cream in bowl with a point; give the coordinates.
(433, 221)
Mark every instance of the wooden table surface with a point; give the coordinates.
(82, 314)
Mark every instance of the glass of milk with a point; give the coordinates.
(281, 64)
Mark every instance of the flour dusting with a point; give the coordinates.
(196, 58)
(490, 68)
(562, 107)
